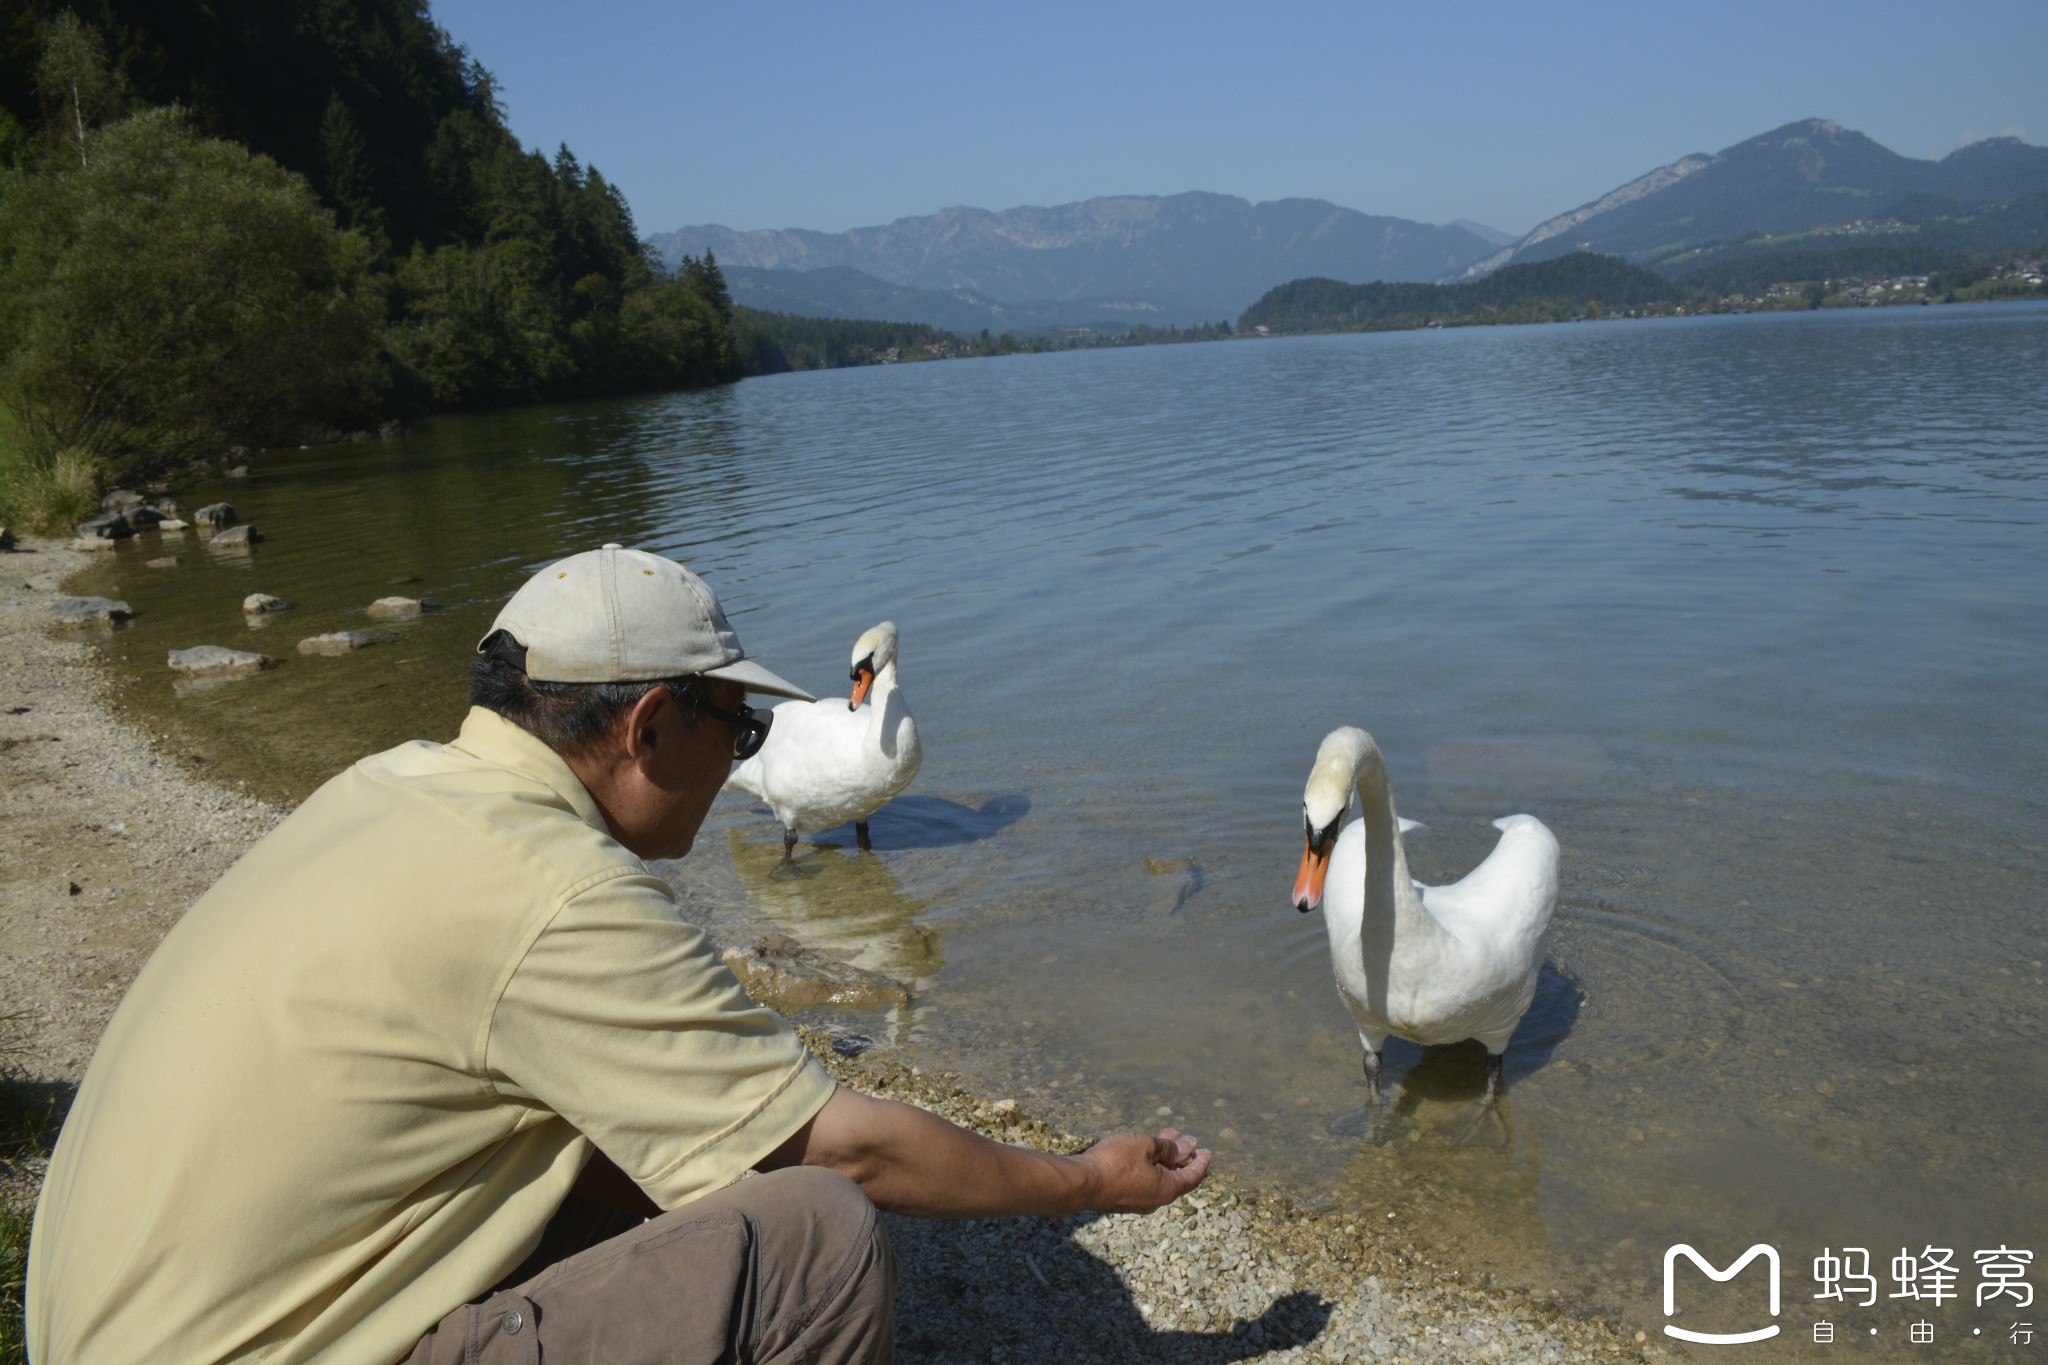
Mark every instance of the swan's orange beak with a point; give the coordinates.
(1308, 883)
(863, 679)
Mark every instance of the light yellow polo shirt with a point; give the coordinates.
(354, 1082)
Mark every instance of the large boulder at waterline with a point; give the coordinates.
(90, 611)
(214, 659)
(215, 515)
(105, 526)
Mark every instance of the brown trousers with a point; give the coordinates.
(791, 1266)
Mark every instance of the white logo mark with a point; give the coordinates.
(1671, 1255)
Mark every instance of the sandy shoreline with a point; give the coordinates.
(110, 835)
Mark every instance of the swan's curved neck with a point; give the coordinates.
(885, 698)
(1389, 890)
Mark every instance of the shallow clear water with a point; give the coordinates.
(1747, 609)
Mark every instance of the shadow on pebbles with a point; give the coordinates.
(1227, 1274)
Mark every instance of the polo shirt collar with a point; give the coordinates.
(490, 737)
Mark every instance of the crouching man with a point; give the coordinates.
(438, 1073)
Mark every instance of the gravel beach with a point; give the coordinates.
(112, 831)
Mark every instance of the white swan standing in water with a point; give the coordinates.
(827, 762)
(1432, 964)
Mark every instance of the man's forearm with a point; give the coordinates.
(914, 1162)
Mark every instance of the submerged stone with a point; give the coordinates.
(256, 603)
(785, 975)
(393, 609)
(339, 642)
(234, 537)
(217, 659)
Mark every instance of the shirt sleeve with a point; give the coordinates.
(619, 1019)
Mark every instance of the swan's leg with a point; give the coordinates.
(1377, 1124)
(860, 835)
(787, 868)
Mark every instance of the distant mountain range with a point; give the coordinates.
(1178, 258)
(1198, 257)
(1803, 176)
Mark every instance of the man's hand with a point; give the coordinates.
(911, 1161)
(1137, 1174)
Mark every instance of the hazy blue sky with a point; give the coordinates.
(830, 116)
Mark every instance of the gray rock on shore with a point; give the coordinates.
(234, 538)
(257, 603)
(215, 515)
(393, 609)
(90, 611)
(214, 659)
(122, 500)
(340, 642)
(105, 526)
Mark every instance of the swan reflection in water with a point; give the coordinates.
(849, 907)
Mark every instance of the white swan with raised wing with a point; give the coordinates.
(1432, 964)
(830, 761)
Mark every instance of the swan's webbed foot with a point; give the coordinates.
(1374, 1124)
(860, 836)
(1489, 1105)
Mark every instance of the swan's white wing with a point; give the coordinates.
(1507, 900)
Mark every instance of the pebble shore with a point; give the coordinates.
(112, 831)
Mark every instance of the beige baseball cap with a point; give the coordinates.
(619, 615)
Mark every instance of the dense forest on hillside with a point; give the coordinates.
(1543, 291)
(338, 172)
(773, 343)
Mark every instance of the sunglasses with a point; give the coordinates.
(749, 727)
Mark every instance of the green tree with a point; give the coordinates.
(176, 293)
(74, 82)
(350, 181)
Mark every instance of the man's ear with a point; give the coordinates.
(639, 730)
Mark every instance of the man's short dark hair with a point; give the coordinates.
(567, 717)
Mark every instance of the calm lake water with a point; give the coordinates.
(1748, 609)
